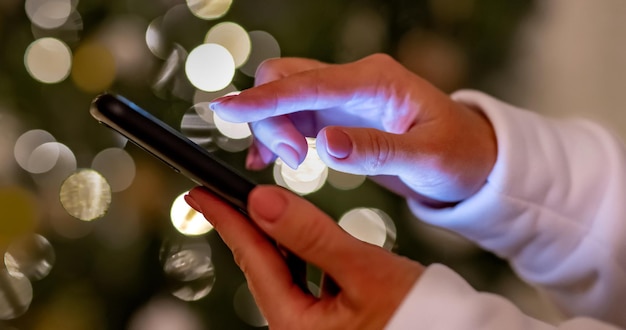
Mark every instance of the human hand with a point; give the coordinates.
(372, 282)
(370, 117)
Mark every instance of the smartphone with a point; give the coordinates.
(173, 148)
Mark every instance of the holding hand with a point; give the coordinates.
(372, 282)
(370, 117)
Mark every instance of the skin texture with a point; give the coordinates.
(370, 117)
(397, 124)
(372, 281)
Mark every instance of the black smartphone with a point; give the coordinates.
(173, 148)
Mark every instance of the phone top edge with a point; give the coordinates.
(171, 147)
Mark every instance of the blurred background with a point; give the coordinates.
(93, 231)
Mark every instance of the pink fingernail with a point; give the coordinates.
(220, 101)
(338, 143)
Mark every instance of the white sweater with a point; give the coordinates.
(555, 207)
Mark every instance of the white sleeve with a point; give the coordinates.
(442, 300)
(554, 205)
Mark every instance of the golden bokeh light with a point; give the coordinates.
(48, 60)
(19, 214)
(94, 68)
(86, 195)
(234, 38)
(210, 67)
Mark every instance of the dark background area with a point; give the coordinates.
(454, 44)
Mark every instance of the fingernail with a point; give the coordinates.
(289, 155)
(338, 143)
(268, 205)
(192, 202)
(220, 101)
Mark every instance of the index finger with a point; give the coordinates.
(316, 89)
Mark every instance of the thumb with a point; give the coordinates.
(366, 151)
(306, 231)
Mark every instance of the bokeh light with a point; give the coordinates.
(209, 9)
(187, 220)
(171, 79)
(16, 295)
(210, 67)
(165, 314)
(345, 181)
(44, 157)
(48, 14)
(370, 225)
(94, 67)
(264, 46)
(48, 60)
(86, 195)
(156, 39)
(26, 144)
(19, 216)
(230, 129)
(190, 270)
(309, 177)
(117, 166)
(246, 308)
(60, 161)
(69, 32)
(234, 38)
(198, 130)
(32, 256)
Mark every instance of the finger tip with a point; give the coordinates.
(192, 203)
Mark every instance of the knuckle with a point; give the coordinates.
(312, 236)
(381, 153)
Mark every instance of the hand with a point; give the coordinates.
(370, 117)
(372, 281)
